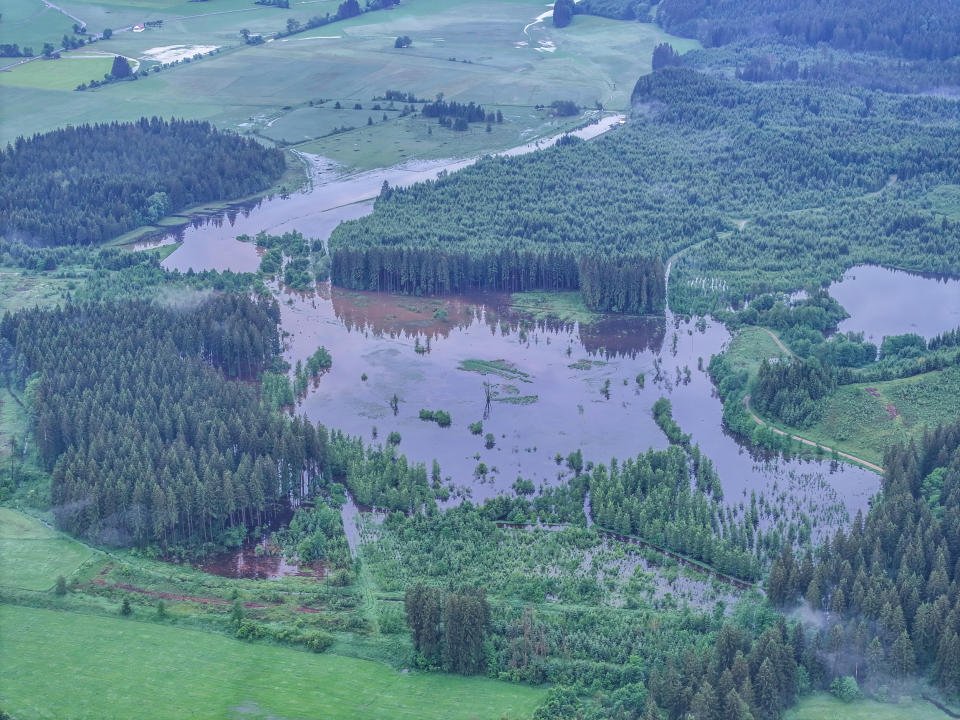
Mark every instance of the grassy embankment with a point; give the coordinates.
(863, 419)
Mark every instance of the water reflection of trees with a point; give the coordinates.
(435, 318)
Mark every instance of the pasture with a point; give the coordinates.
(72, 666)
(63, 74)
(468, 52)
(818, 706)
(30, 23)
(34, 554)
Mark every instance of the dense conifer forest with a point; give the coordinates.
(606, 214)
(926, 29)
(87, 184)
(888, 588)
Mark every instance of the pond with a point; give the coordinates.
(252, 564)
(884, 302)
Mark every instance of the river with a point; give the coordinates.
(209, 241)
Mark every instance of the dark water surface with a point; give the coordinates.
(246, 563)
(885, 302)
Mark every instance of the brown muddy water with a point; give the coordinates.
(884, 302)
(246, 563)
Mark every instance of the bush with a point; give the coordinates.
(318, 641)
(250, 630)
(845, 688)
(440, 417)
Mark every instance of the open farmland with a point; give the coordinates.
(68, 665)
(267, 88)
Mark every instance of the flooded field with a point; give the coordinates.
(253, 565)
(209, 241)
(553, 389)
(533, 391)
(885, 302)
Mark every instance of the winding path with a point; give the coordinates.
(780, 345)
(757, 419)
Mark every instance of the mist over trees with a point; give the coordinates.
(888, 587)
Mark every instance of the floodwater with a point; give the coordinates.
(556, 399)
(246, 563)
(884, 302)
(209, 241)
(567, 387)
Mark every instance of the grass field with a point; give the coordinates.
(945, 199)
(750, 347)
(63, 74)
(821, 706)
(71, 666)
(247, 88)
(866, 423)
(30, 23)
(20, 288)
(397, 139)
(33, 555)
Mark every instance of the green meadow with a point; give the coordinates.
(73, 666)
(63, 74)
(819, 706)
(469, 52)
(33, 555)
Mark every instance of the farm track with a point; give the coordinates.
(811, 443)
(780, 345)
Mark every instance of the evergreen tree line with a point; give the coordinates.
(615, 283)
(665, 499)
(656, 186)
(147, 440)
(891, 585)
(793, 391)
(89, 183)
(448, 627)
(927, 29)
(468, 112)
(616, 9)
